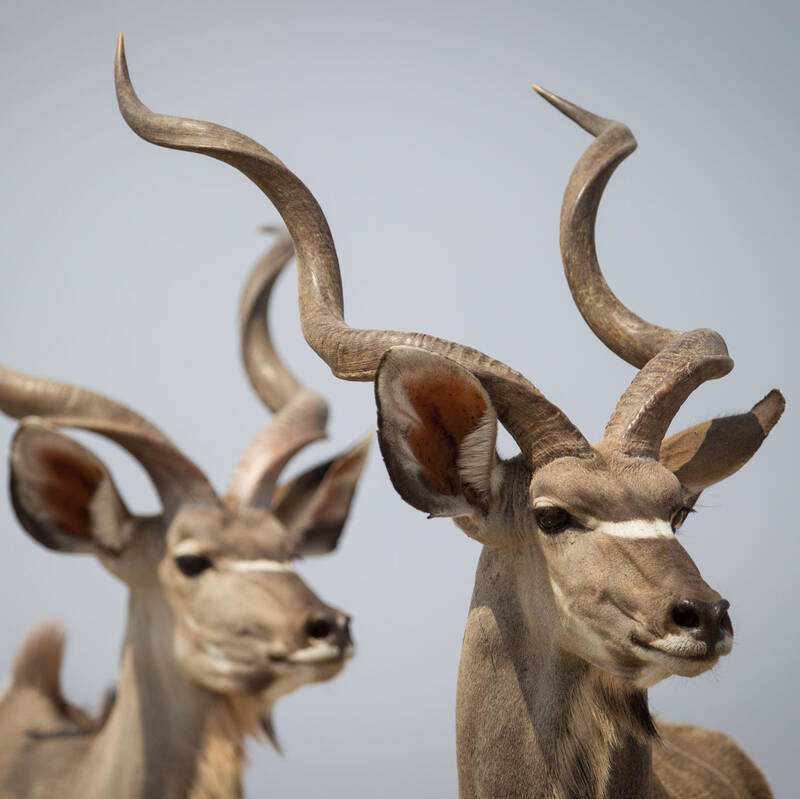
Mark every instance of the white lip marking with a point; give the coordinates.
(317, 653)
(724, 646)
(218, 658)
(258, 565)
(681, 646)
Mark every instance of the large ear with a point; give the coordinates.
(63, 495)
(314, 505)
(707, 453)
(437, 430)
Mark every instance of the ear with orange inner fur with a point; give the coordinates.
(314, 505)
(437, 430)
(709, 452)
(62, 494)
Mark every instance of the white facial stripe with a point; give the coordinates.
(632, 528)
(545, 502)
(191, 547)
(188, 547)
(258, 565)
(637, 528)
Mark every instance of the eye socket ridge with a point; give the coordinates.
(553, 519)
(679, 517)
(192, 565)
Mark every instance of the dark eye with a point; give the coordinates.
(192, 565)
(679, 517)
(552, 519)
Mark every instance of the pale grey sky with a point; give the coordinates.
(441, 174)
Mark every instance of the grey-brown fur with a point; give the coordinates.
(571, 623)
(219, 624)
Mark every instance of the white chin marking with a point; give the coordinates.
(258, 566)
(636, 528)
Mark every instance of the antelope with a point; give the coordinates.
(583, 596)
(219, 623)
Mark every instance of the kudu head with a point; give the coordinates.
(589, 530)
(214, 573)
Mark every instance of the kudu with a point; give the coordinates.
(219, 623)
(583, 596)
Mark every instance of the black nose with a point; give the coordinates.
(707, 621)
(331, 627)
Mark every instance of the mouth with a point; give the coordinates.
(683, 654)
(319, 654)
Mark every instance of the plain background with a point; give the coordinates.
(441, 174)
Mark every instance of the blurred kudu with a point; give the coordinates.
(583, 596)
(219, 623)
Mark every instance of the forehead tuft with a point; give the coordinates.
(616, 488)
(249, 534)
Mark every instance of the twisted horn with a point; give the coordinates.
(621, 330)
(672, 364)
(269, 376)
(540, 429)
(176, 479)
(301, 414)
(644, 412)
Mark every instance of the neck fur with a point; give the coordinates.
(166, 736)
(533, 719)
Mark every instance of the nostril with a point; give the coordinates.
(707, 621)
(685, 615)
(719, 613)
(321, 626)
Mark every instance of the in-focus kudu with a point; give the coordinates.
(583, 596)
(219, 623)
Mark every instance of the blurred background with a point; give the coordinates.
(441, 174)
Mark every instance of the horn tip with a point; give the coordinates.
(551, 98)
(769, 410)
(591, 123)
(121, 77)
(119, 56)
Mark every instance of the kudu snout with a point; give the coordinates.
(708, 622)
(331, 627)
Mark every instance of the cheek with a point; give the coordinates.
(578, 575)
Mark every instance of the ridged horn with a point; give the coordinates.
(540, 429)
(176, 479)
(300, 414)
(672, 364)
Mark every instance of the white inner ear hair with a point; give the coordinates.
(476, 454)
(108, 515)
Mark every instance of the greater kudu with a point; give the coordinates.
(583, 597)
(219, 623)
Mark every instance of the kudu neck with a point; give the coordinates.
(166, 736)
(533, 719)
